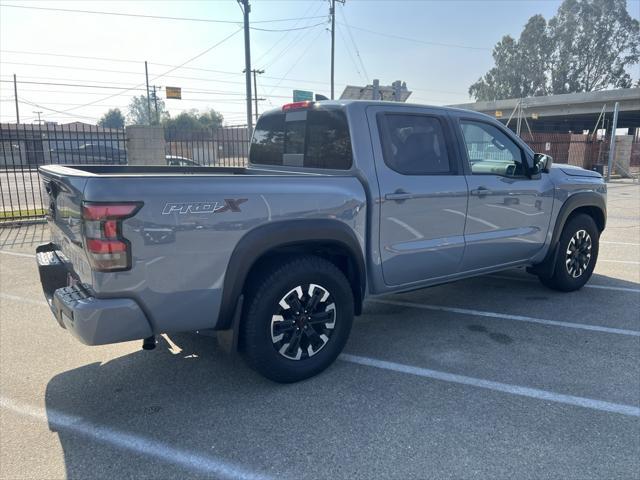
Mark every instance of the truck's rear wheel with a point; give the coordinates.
(297, 319)
(577, 255)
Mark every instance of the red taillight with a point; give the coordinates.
(103, 211)
(106, 247)
(95, 245)
(297, 105)
(110, 228)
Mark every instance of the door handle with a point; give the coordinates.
(399, 196)
(480, 191)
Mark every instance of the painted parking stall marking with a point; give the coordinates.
(504, 316)
(17, 254)
(495, 386)
(588, 285)
(187, 459)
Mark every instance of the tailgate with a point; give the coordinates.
(65, 195)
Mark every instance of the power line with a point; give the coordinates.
(353, 60)
(226, 72)
(286, 29)
(417, 40)
(108, 59)
(70, 67)
(179, 77)
(24, 100)
(79, 85)
(185, 89)
(355, 46)
(30, 77)
(71, 85)
(295, 40)
(138, 15)
(158, 76)
(306, 12)
(295, 62)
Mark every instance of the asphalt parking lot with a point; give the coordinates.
(493, 377)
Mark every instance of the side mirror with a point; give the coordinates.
(541, 163)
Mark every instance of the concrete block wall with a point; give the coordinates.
(145, 145)
(622, 160)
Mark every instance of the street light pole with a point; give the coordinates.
(332, 12)
(155, 101)
(255, 89)
(146, 74)
(247, 61)
(15, 95)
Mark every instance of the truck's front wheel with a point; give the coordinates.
(577, 255)
(297, 319)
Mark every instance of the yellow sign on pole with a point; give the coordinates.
(174, 92)
(498, 113)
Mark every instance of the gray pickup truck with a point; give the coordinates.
(340, 201)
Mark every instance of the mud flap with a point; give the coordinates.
(228, 339)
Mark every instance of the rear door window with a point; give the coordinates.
(415, 144)
(267, 145)
(305, 138)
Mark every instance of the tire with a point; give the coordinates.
(286, 347)
(577, 255)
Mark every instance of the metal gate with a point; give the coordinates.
(222, 147)
(25, 147)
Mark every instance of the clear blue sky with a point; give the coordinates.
(437, 74)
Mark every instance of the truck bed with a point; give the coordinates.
(155, 170)
(120, 170)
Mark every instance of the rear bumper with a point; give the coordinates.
(94, 321)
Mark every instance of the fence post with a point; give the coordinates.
(145, 145)
(612, 145)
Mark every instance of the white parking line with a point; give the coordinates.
(17, 254)
(504, 316)
(589, 285)
(495, 386)
(628, 262)
(16, 298)
(192, 461)
(621, 243)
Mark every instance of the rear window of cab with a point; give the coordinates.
(312, 138)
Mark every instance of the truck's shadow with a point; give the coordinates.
(189, 394)
(199, 399)
(174, 394)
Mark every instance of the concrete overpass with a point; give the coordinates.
(573, 112)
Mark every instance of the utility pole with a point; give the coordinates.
(155, 101)
(247, 61)
(146, 74)
(255, 89)
(39, 121)
(15, 94)
(332, 12)
(612, 144)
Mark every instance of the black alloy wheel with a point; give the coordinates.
(303, 322)
(578, 254)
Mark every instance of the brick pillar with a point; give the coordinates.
(145, 145)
